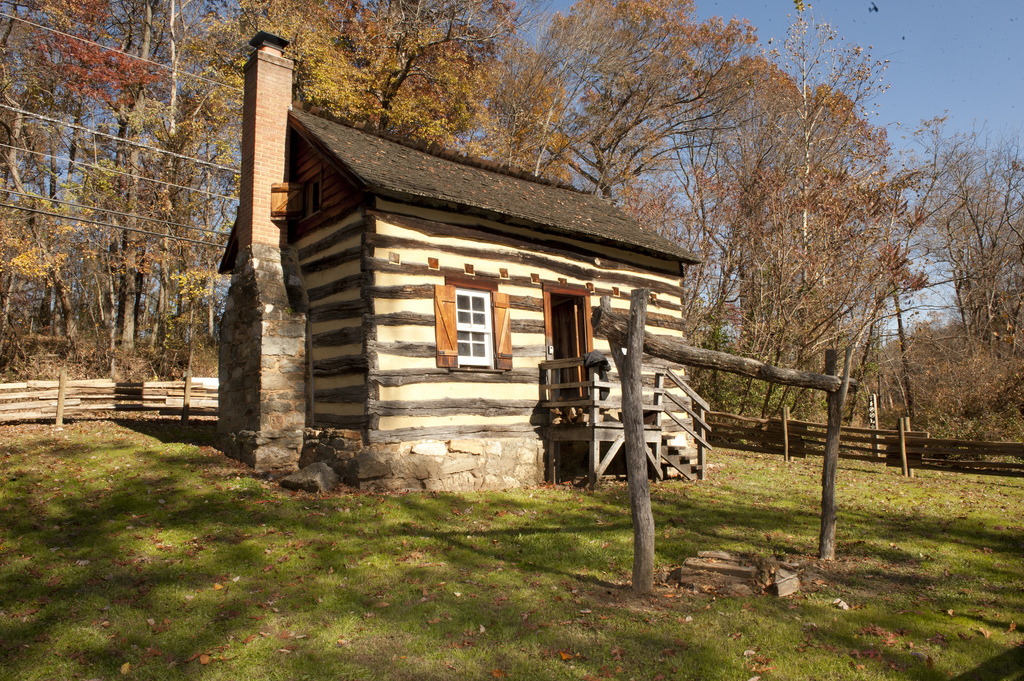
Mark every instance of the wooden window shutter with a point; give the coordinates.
(502, 332)
(444, 326)
(286, 200)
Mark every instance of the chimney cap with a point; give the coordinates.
(264, 39)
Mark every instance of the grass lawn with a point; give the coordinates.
(138, 551)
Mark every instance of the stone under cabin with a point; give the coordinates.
(419, 319)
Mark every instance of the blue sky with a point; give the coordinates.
(963, 58)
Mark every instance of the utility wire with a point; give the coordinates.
(116, 51)
(118, 213)
(119, 172)
(118, 139)
(107, 224)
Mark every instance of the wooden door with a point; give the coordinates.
(567, 330)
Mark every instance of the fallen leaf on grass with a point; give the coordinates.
(125, 668)
(1013, 626)
(565, 655)
(497, 673)
(927, 659)
(204, 659)
(617, 653)
(985, 632)
(218, 587)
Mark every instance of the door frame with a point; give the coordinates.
(565, 290)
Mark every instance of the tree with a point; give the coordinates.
(799, 214)
(624, 80)
(414, 69)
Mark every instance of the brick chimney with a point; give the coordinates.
(267, 97)
(263, 365)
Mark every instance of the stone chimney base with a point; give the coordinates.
(263, 368)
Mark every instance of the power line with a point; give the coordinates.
(107, 224)
(115, 51)
(118, 213)
(119, 172)
(118, 139)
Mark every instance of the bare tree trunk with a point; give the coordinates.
(827, 538)
(66, 310)
(8, 294)
(629, 365)
(904, 357)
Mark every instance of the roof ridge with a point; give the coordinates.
(434, 149)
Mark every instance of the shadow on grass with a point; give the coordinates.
(153, 527)
(121, 566)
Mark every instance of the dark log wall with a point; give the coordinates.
(331, 262)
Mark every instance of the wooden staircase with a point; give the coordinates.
(667, 446)
(684, 418)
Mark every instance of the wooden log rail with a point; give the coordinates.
(920, 452)
(613, 325)
(58, 399)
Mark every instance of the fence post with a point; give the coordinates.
(62, 386)
(785, 434)
(873, 421)
(903, 446)
(913, 473)
(186, 402)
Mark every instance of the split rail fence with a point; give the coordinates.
(903, 448)
(63, 398)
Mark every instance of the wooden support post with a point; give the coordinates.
(903, 447)
(785, 434)
(187, 401)
(629, 366)
(827, 538)
(659, 399)
(552, 444)
(62, 388)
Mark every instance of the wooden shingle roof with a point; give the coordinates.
(396, 169)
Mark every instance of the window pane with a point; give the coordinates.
(464, 349)
(462, 302)
(463, 317)
(478, 304)
(463, 335)
(479, 318)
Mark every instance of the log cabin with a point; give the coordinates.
(412, 316)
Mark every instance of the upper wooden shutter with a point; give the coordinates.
(286, 200)
(502, 332)
(444, 326)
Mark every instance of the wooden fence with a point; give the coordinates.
(57, 399)
(904, 448)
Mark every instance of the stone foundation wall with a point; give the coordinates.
(440, 465)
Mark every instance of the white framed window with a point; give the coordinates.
(473, 324)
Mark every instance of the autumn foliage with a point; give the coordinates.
(120, 127)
